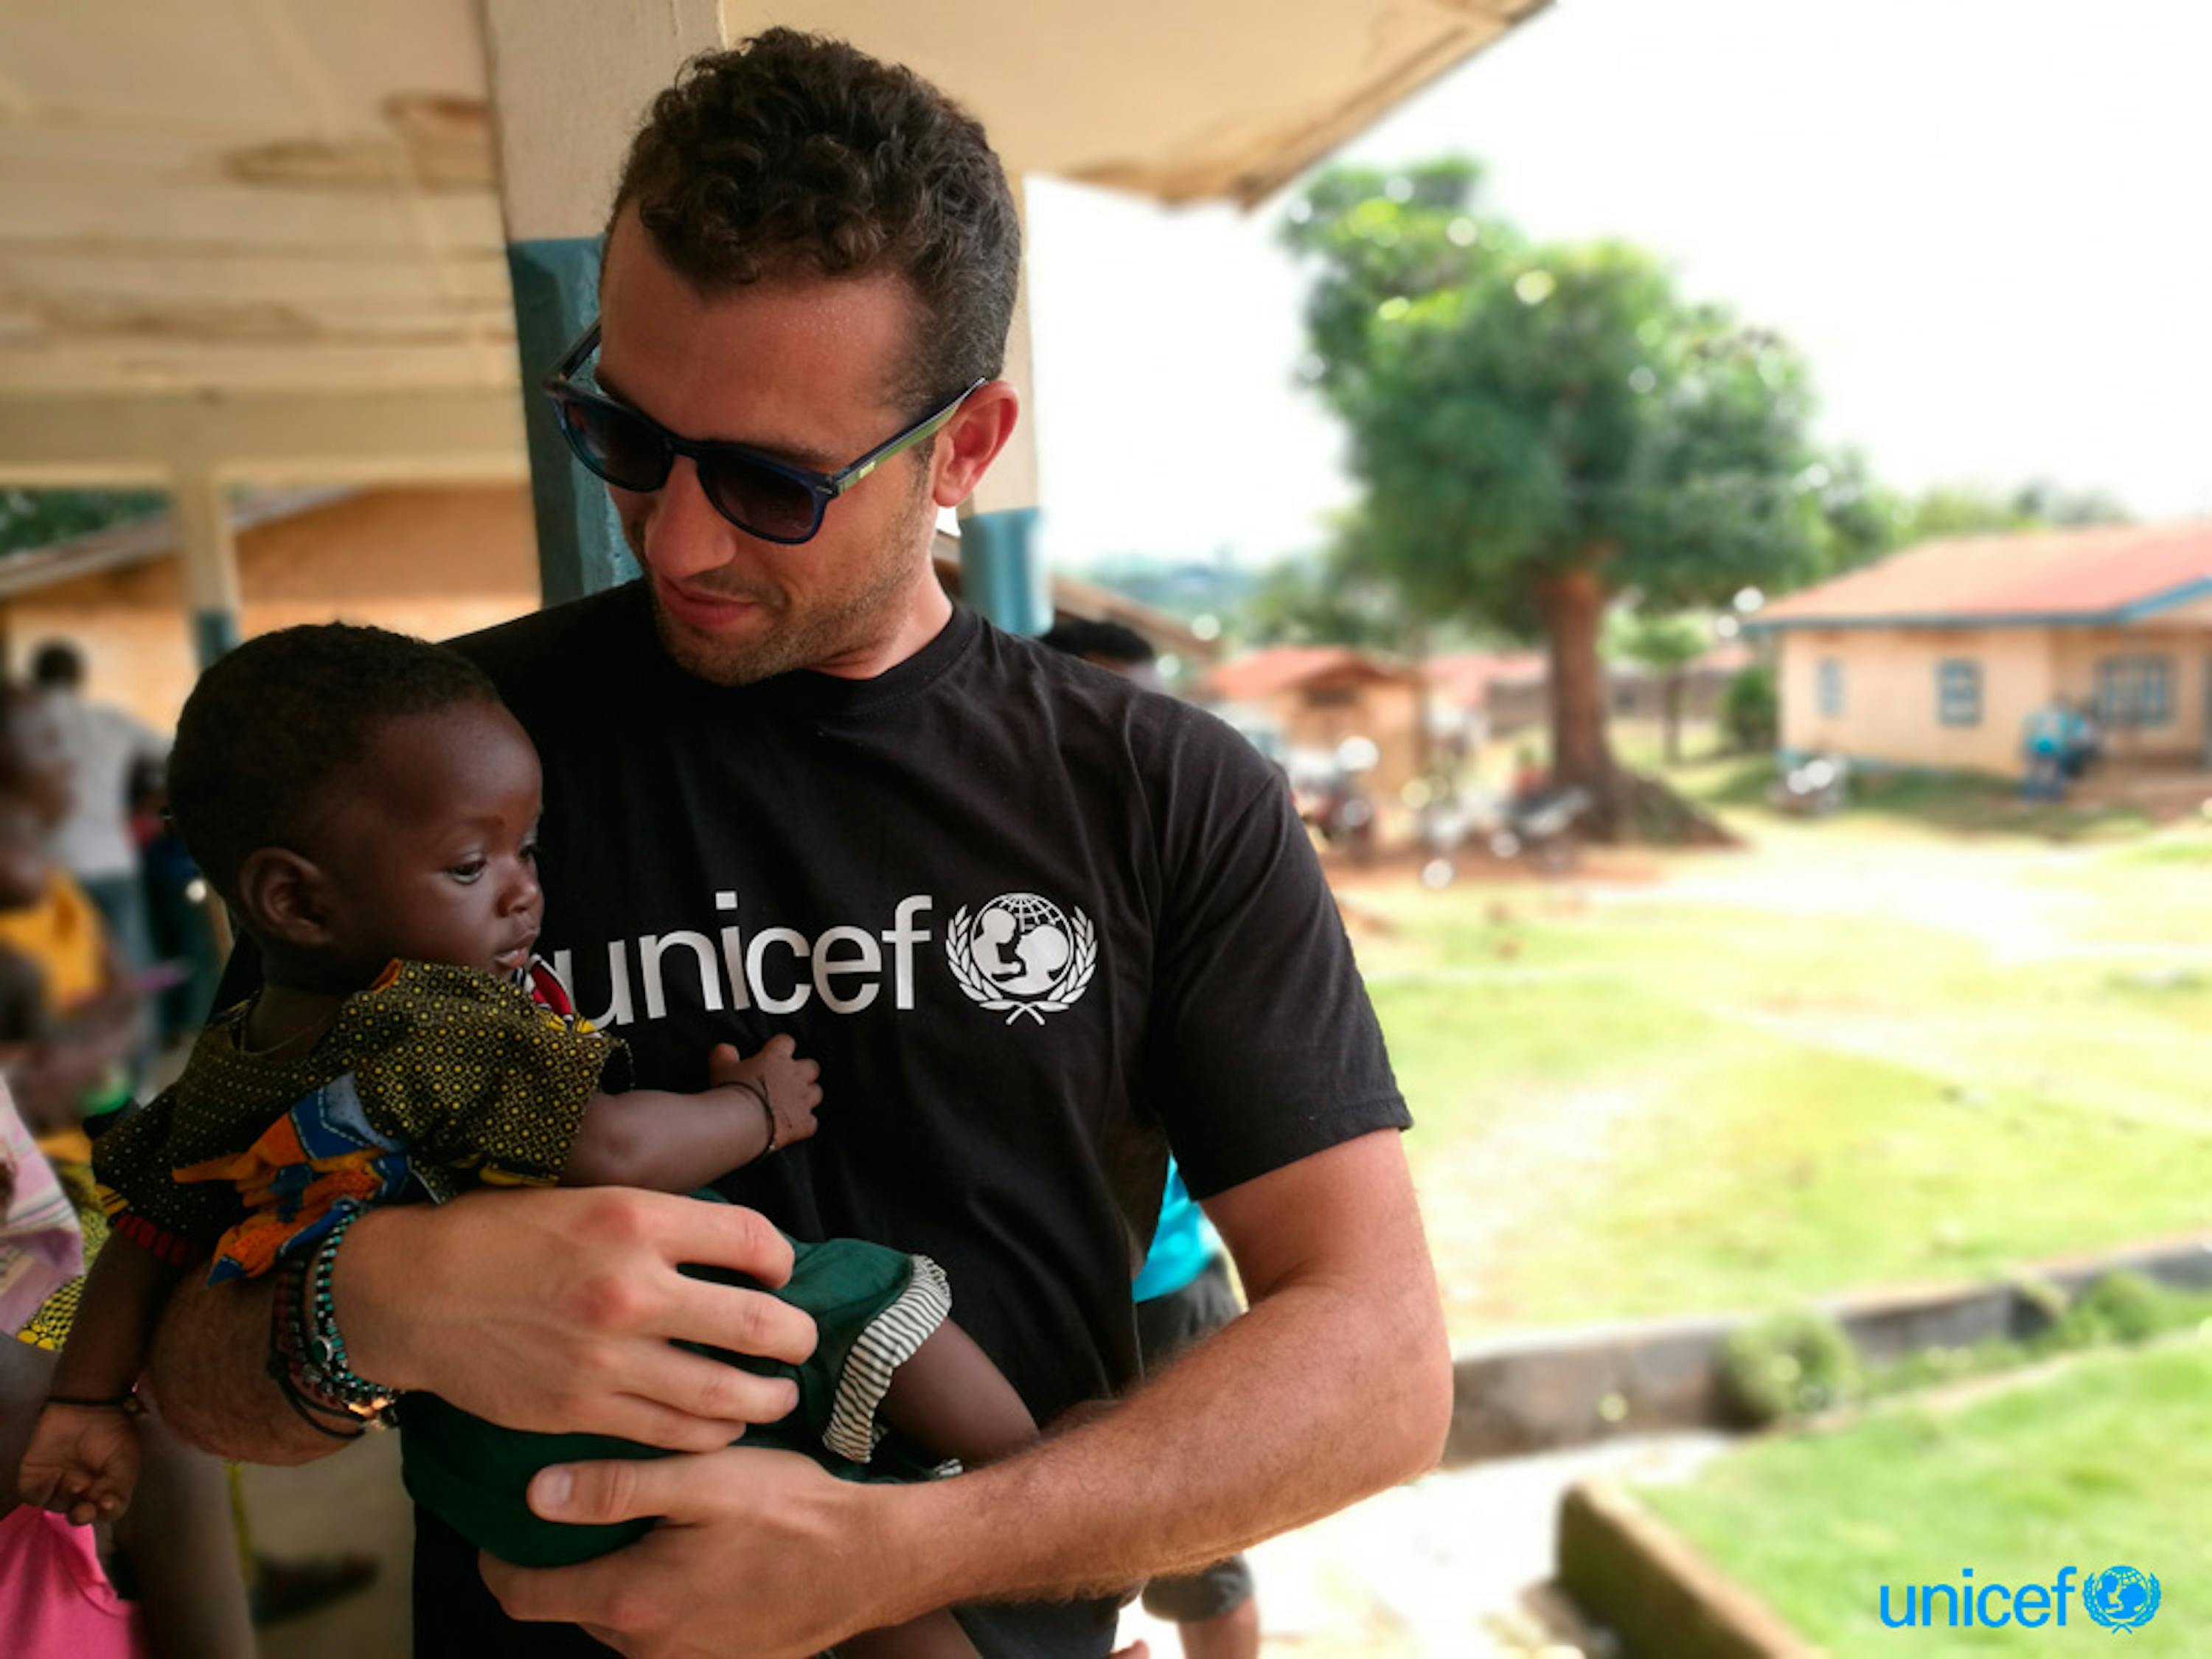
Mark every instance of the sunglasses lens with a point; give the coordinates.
(759, 500)
(621, 448)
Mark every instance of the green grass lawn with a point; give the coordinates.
(1957, 802)
(1633, 1108)
(2107, 1462)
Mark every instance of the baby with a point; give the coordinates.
(368, 809)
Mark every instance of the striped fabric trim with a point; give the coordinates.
(889, 1342)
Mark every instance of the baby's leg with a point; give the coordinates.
(950, 1400)
(183, 1546)
(932, 1636)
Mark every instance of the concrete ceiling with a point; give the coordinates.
(257, 197)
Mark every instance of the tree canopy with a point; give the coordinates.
(1540, 428)
(1521, 410)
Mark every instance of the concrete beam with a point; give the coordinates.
(275, 442)
(570, 80)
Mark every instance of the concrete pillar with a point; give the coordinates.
(569, 79)
(213, 595)
(1002, 570)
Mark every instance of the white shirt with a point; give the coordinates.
(94, 841)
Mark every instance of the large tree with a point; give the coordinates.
(1541, 428)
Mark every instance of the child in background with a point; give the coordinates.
(368, 809)
(76, 1066)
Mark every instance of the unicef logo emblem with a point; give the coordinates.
(1021, 955)
(2121, 1598)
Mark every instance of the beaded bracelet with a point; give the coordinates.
(312, 1350)
(285, 1330)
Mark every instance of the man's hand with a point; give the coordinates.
(750, 1542)
(554, 1310)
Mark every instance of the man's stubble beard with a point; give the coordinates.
(830, 627)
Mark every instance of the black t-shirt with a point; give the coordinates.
(1037, 925)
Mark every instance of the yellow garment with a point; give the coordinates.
(63, 934)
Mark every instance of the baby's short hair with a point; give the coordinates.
(274, 724)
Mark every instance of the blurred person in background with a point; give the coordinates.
(177, 909)
(75, 1022)
(78, 1067)
(2042, 743)
(1183, 1292)
(93, 842)
(1117, 649)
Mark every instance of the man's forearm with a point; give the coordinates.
(1319, 1396)
(209, 1374)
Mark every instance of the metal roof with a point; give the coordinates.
(2104, 574)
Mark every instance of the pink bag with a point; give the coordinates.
(55, 1602)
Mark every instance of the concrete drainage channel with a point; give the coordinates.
(1624, 1570)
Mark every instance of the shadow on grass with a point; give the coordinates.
(1957, 802)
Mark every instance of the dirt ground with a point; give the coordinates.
(1451, 1566)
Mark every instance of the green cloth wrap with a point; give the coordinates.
(473, 1474)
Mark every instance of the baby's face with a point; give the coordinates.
(432, 856)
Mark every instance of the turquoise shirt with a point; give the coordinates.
(1182, 1244)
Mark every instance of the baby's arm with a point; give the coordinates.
(82, 1459)
(671, 1143)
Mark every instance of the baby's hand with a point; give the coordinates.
(82, 1462)
(792, 1084)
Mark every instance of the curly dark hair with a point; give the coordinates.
(274, 725)
(791, 152)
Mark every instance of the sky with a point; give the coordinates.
(1983, 222)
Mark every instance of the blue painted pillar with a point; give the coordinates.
(569, 81)
(1002, 566)
(1002, 573)
(214, 634)
(580, 542)
(213, 592)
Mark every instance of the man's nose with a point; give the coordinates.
(684, 535)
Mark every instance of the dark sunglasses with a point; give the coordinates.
(760, 494)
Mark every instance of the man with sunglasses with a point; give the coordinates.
(1039, 926)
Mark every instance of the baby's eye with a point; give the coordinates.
(529, 851)
(467, 872)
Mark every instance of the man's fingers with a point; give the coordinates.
(720, 1235)
(628, 1417)
(590, 1593)
(697, 1386)
(615, 1489)
(739, 1321)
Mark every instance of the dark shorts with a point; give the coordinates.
(1166, 1325)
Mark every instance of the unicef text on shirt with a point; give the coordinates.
(2120, 1598)
(778, 971)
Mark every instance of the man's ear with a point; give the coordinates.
(285, 898)
(971, 440)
